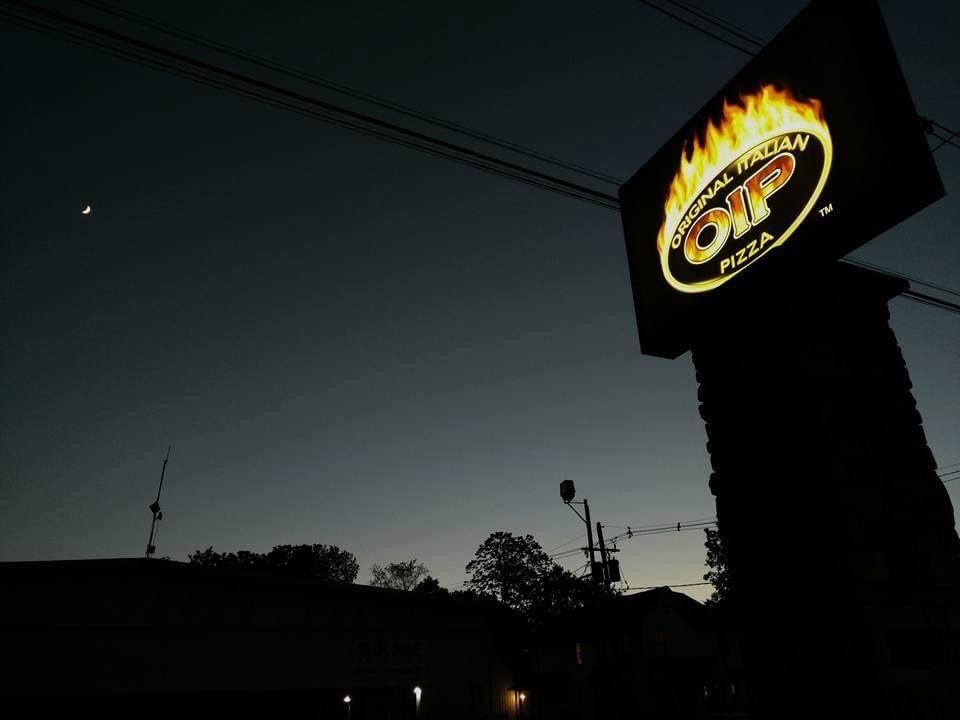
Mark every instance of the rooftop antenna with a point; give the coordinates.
(155, 509)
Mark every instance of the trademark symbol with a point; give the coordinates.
(826, 210)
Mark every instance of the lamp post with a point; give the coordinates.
(418, 691)
(567, 494)
(523, 696)
(347, 700)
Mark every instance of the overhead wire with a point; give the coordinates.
(739, 32)
(657, 525)
(329, 112)
(657, 587)
(661, 529)
(667, 529)
(564, 544)
(261, 91)
(719, 22)
(943, 127)
(274, 102)
(346, 90)
(945, 140)
(567, 554)
(950, 476)
(930, 300)
(356, 121)
(912, 280)
(696, 27)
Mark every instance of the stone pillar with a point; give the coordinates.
(840, 537)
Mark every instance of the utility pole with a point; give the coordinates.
(603, 555)
(155, 509)
(567, 494)
(593, 557)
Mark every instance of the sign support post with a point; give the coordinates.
(844, 559)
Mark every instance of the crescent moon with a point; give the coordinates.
(86, 211)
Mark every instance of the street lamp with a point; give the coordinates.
(523, 696)
(567, 493)
(418, 691)
(347, 700)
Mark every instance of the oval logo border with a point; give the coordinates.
(707, 285)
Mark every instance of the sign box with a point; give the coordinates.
(813, 149)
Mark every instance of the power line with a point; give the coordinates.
(699, 29)
(147, 54)
(944, 140)
(719, 22)
(930, 300)
(943, 127)
(662, 529)
(657, 587)
(567, 554)
(699, 12)
(950, 476)
(733, 29)
(274, 102)
(635, 528)
(912, 280)
(564, 544)
(346, 90)
(413, 113)
(667, 529)
(329, 112)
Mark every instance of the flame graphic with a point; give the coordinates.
(757, 117)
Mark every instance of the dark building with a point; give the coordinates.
(656, 654)
(159, 639)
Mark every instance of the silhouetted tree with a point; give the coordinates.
(516, 571)
(510, 568)
(404, 575)
(430, 586)
(323, 562)
(562, 592)
(718, 574)
(467, 593)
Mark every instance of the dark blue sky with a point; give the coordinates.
(349, 342)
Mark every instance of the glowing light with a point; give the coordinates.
(87, 210)
(347, 699)
(704, 200)
(418, 691)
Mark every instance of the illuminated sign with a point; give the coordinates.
(717, 215)
(785, 170)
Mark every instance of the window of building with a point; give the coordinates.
(579, 654)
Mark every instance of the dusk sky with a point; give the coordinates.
(349, 342)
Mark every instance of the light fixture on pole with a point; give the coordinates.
(347, 700)
(567, 493)
(418, 691)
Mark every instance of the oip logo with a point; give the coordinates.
(744, 189)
